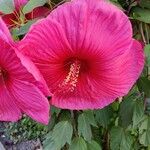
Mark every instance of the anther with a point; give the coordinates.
(70, 82)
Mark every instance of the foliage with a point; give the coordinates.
(124, 125)
(25, 129)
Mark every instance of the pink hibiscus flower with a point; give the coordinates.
(14, 19)
(20, 84)
(86, 53)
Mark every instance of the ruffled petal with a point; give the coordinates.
(108, 81)
(8, 108)
(94, 26)
(30, 100)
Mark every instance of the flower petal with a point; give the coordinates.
(8, 109)
(30, 100)
(20, 67)
(22, 84)
(93, 25)
(32, 69)
(4, 32)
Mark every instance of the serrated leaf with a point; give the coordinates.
(120, 140)
(144, 131)
(33, 4)
(78, 144)
(85, 120)
(141, 14)
(138, 112)
(144, 86)
(131, 110)
(6, 6)
(84, 127)
(90, 117)
(61, 134)
(49, 143)
(93, 145)
(145, 138)
(103, 116)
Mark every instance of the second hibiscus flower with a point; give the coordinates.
(86, 53)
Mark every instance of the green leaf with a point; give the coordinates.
(144, 131)
(33, 4)
(131, 110)
(144, 86)
(23, 29)
(145, 3)
(49, 143)
(90, 117)
(141, 14)
(120, 140)
(147, 54)
(145, 138)
(78, 144)
(138, 112)
(103, 116)
(55, 110)
(61, 134)
(65, 115)
(85, 120)
(93, 145)
(7, 6)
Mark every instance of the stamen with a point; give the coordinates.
(70, 82)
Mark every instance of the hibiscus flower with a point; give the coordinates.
(17, 18)
(21, 84)
(86, 53)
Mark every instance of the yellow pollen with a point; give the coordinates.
(70, 82)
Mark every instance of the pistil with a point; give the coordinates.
(70, 82)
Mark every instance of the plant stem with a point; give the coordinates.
(147, 34)
(142, 32)
(74, 123)
(106, 139)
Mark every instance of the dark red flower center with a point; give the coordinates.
(3, 74)
(73, 67)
